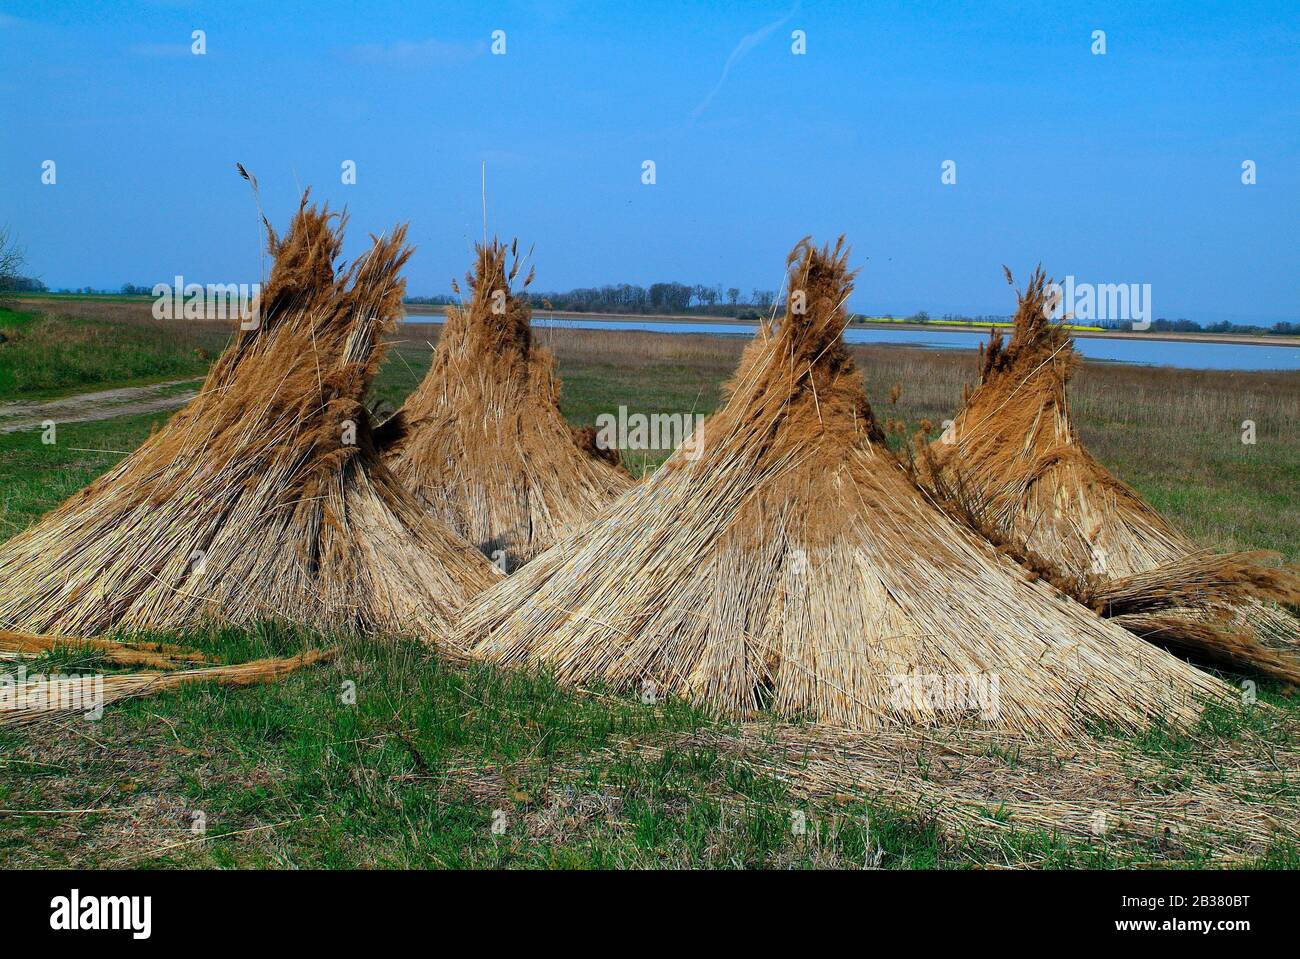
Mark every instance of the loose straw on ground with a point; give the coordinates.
(41, 700)
(1240, 806)
(156, 655)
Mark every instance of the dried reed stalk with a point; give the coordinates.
(794, 564)
(1012, 467)
(31, 702)
(156, 655)
(264, 497)
(482, 440)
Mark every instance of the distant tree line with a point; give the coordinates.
(656, 299)
(13, 260)
(21, 284)
(1250, 329)
(1161, 325)
(660, 299)
(1181, 325)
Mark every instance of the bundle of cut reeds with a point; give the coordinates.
(46, 699)
(155, 655)
(1013, 468)
(792, 563)
(482, 440)
(265, 497)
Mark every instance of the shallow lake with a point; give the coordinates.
(1188, 355)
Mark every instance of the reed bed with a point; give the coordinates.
(482, 441)
(793, 564)
(265, 497)
(1013, 468)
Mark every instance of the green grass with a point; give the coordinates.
(413, 773)
(12, 320)
(410, 776)
(37, 477)
(50, 355)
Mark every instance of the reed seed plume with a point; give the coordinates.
(1012, 467)
(482, 440)
(792, 564)
(265, 497)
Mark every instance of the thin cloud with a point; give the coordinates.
(411, 53)
(748, 42)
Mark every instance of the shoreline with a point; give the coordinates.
(673, 319)
(933, 325)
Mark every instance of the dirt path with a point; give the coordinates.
(101, 405)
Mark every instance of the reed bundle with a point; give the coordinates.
(1013, 468)
(265, 497)
(32, 701)
(482, 440)
(155, 655)
(791, 563)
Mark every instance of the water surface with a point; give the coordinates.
(1183, 354)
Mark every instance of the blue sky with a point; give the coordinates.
(1117, 168)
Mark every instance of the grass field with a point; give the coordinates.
(48, 354)
(418, 769)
